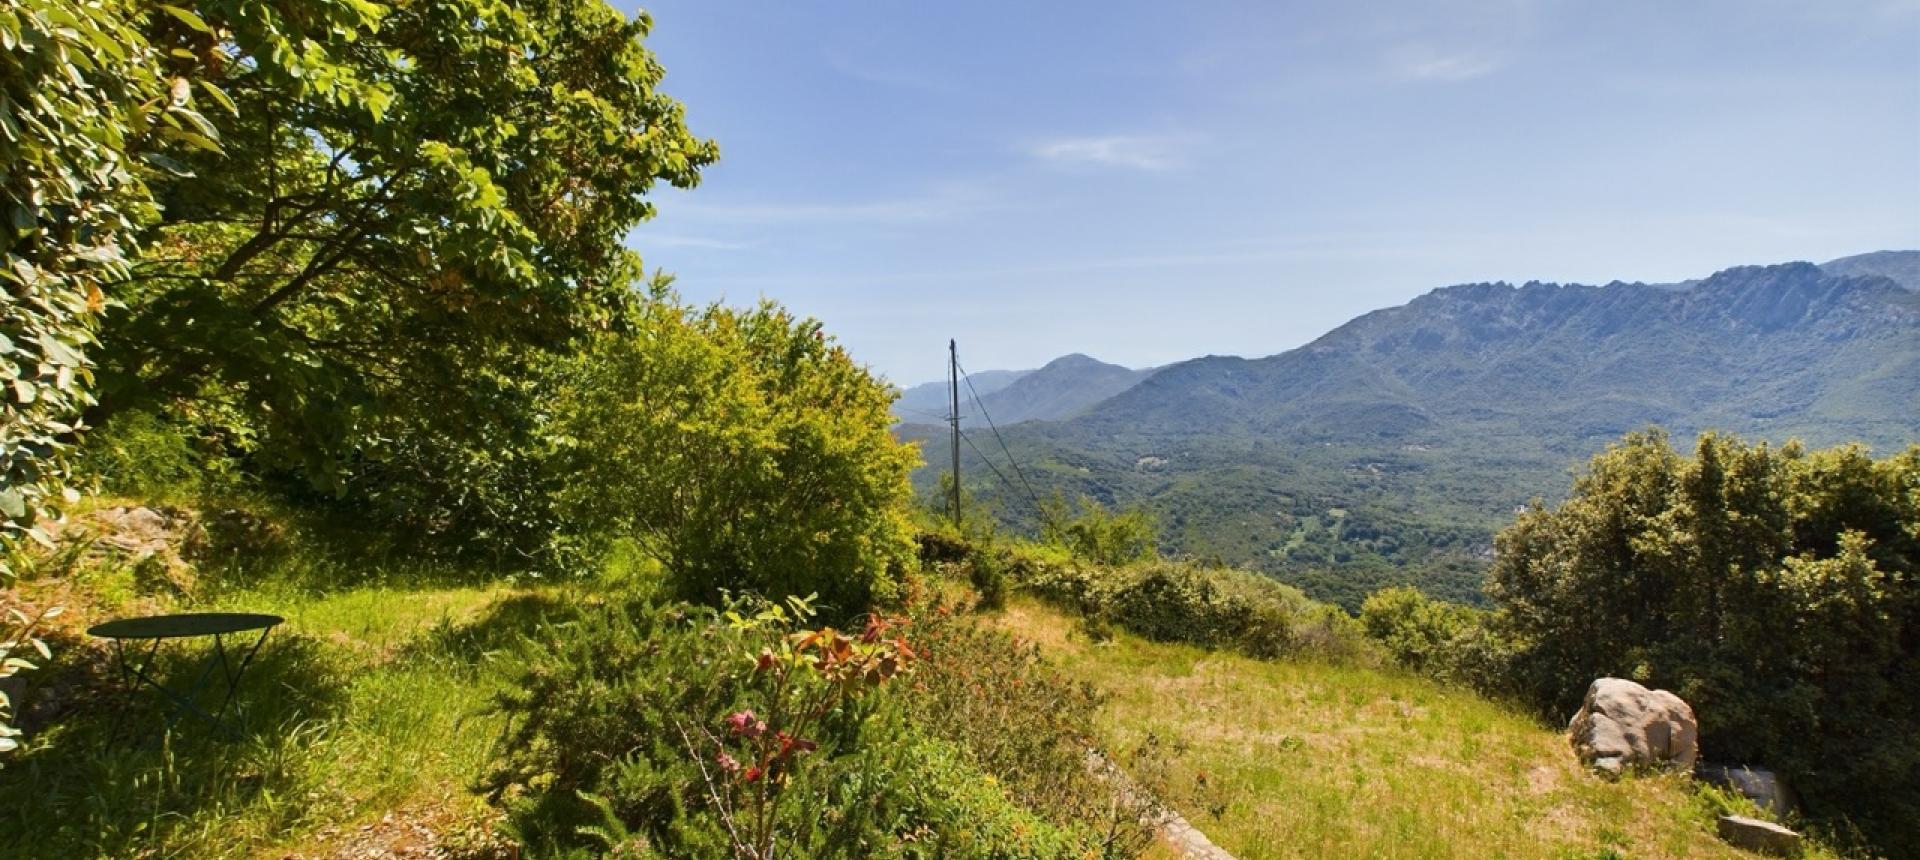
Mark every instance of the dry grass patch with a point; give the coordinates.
(1318, 760)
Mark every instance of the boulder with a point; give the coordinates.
(1623, 726)
(1764, 837)
(1767, 790)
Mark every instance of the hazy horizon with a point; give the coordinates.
(1145, 184)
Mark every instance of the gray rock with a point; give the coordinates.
(1764, 837)
(1766, 789)
(1623, 726)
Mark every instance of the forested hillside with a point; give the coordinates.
(1389, 449)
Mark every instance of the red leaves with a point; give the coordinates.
(790, 745)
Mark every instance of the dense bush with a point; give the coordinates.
(1447, 641)
(744, 448)
(1009, 714)
(1776, 590)
(1181, 602)
(682, 731)
(1097, 535)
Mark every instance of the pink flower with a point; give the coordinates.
(727, 763)
(745, 724)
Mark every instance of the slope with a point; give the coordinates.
(1311, 760)
(1065, 387)
(1901, 267)
(929, 401)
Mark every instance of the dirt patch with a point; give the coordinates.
(414, 833)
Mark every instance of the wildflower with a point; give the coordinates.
(765, 662)
(727, 763)
(753, 773)
(745, 723)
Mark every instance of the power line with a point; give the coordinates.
(1011, 461)
(922, 412)
(983, 458)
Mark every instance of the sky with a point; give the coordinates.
(1149, 182)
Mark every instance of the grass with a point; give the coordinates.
(368, 701)
(1316, 760)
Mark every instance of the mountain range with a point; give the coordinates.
(1390, 449)
(1063, 388)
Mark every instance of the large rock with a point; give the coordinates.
(1623, 726)
(1764, 837)
(1767, 790)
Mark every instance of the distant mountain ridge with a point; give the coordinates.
(1901, 267)
(930, 401)
(1755, 348)
(1389, 449)
(1064, 387)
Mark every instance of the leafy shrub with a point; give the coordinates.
(1097, 535)
(1417, 631)
(942, 546)
(988, 575)
(745, 449)
(18, 631)
(1776, 590)
(690, 731)
(147, 456)
(1180, 602)
(1447, 641)
(1009, 714)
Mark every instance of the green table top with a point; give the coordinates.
(183, 625)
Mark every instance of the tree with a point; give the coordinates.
(745, 448)
(1099, 535)
(77, 93)
(410, 203)
(1776, 590)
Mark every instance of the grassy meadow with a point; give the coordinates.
(365, 708)
(1314, 760)
(367, 726)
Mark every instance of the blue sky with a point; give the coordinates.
(1146, 182)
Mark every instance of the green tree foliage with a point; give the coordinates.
(409, 205)
(744, 448)
(79, 95)
(1413, 628)
(1775, 590)
(1447, 641)
(1097, 535)
(1172, 601)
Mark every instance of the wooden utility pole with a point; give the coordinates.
(953, 421)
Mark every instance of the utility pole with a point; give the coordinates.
(953, 421)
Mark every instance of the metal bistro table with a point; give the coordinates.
(159, 628)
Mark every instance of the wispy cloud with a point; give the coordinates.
(1427, 66)
(884, 75)
(1135, 152)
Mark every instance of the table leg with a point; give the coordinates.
(233, 681)
(187, 702)
(133, 675)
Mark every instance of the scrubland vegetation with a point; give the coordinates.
(573, 568)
